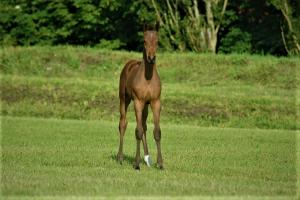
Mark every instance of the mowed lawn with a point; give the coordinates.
(52, 157)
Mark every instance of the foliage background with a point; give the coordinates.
(247, 26)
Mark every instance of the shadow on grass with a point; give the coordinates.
(127, 159)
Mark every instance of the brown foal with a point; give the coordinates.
(140, 82)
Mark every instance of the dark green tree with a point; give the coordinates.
(290, 28)
(78, 22)
(255, 29)
(269, 27)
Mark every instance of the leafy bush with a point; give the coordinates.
(110, 44)
(185, 27)
(236, 41)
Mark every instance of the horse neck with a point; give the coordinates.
(148, 68)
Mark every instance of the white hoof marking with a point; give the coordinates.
(147, 160)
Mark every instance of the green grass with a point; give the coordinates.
(52, 157)
(228, 126)
(240, 91)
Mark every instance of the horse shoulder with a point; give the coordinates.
(130, 71)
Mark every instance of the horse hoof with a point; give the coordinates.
(136, 167)
(160, 167)
(120, 159)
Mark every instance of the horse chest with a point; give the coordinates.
(147, 91)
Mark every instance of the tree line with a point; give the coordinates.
(218, 26)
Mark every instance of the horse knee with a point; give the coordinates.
(138, 134)
(145, 127)
(157, 134)
(122, 124)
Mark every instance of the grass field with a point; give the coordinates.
(229, 126)
(240, 91)
(69, 157)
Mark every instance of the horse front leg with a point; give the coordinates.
(144, 139)
(156, 108)
(139, 131)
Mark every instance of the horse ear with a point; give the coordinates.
(157, 26)
(145, 28)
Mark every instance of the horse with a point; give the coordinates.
(140, 82)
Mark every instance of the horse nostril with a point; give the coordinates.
(151, 59)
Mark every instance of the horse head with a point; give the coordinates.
(150, 42)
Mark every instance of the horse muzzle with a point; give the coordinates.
(151, 60)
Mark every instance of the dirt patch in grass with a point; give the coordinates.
(186, 109)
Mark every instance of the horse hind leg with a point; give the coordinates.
(124, 102)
